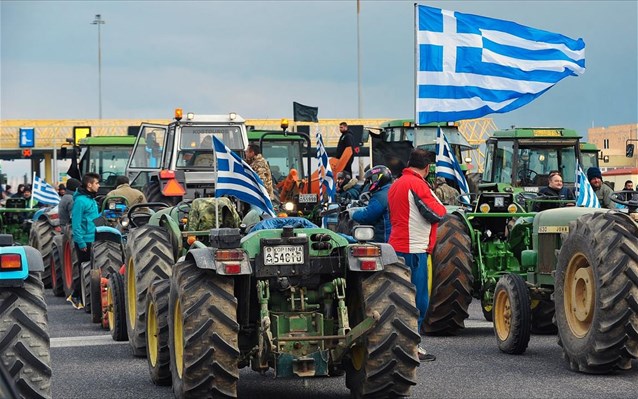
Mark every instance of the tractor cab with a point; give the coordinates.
(106, 156)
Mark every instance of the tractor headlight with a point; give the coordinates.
(484, 208)
(363, 233)
(289, 206)
(511, 208)
(124, 222)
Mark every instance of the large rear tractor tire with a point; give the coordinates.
(452, 278)
(153, 193)
(383, 364)
(157, 351)
(41, 238)
(107, 258)
(151, 259)
(24, 338)
(543, 318)
(512, 314)
(116, 307)
(596, 293)
(85, 285)
(70, 273)
(96, 296)
(57, 283)
(203, 333)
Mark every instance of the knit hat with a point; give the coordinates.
(73, 184)
(594, 172)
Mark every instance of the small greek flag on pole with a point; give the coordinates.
(468, 66)
(448, 167)
(326, 178)
(44, 192)
(585, 194)
(237, 179)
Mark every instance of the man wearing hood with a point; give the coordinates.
(83, 213)
(66, 202)
(347, 186)
(603, 191)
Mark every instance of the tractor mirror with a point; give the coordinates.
(629, 151)
(63, 153)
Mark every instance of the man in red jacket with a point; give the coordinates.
(414, 215)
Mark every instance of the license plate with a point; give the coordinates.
(307, 198)
(283, 255)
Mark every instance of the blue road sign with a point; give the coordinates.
(27, 137)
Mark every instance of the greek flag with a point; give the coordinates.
(44, 192)
(447, 166)
(236, 178)
(585, 194)
(469, 66)
(326, 178)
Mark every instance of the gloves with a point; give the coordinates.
(351, 211)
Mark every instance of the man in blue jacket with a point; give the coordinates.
(83, 213)
(376, 213)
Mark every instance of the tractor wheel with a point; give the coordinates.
(452, 279)
(96, 295)
(153, 193)
(85, 285)
(157, 351)
(41, 238)
(384, 362)
(542, 318)
(151, 258)
(70, 273)
(512, 314)
(24, 338)
(203, 333)
(116, 307)
(596, 293)
(57, 284)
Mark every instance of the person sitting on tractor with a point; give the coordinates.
(346, 187)
(555, 191)
(376, 213)
(446, 193)
(603, 191)
(123, 189)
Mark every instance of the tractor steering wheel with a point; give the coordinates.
(527, 176)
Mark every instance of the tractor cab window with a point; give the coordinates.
(589, 159)
(283, 156)
(536, 162)
(108, 161)
(147, 153)
(195, 147)
(502, 160)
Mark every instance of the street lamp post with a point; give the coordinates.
(99, 21)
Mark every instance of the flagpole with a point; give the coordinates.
(416, 29)
(32, 188)
(358, 64)
(216, 178)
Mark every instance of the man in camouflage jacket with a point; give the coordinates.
(260, 166)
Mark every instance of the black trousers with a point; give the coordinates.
(83, 256)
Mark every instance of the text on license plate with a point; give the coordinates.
(307, 198)
(283, 255)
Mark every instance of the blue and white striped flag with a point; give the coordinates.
(326, 178)
(448, 167)
(44, 192)
(236, 178)
(469, 66)
(585, 194)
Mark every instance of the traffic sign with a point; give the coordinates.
(27, 137)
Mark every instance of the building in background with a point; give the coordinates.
(611, 141)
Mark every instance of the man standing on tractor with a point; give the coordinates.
(259, 164)
(415, 213)
(346, 140)
(84, 211)
(123, 189)
(603, 191)
(376, 213)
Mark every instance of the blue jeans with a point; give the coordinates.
(418, 263)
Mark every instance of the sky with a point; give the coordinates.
(257, 57)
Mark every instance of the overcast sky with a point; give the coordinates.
(257, 57)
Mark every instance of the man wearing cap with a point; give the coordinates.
(603, 191)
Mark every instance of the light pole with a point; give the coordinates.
(99, 21)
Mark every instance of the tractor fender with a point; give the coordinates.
(204, 258)
(106, 233)
(29, 256)
(49, 214)
(460, 213)
(168, 223)
(388, 256)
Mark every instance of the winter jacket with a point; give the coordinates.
(64, 208)
(376, 214)
(82, 216)
(414, 213)
(133, 196)
(548, 193)
(603, 194)
(349, 190)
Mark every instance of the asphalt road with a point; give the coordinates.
(87, 364)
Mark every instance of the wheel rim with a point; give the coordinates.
(358, 357)
(151, 334)
(502, 315)
(178, 340)
(580, 295)
(130, 288)
(110, 307)
(68, 265)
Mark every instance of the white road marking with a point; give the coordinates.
(478, 324)
(83, 340)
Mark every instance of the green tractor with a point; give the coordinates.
(530, 268)
(281, 294)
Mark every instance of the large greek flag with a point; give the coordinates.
(326, 178)
(447, 166)
(585, 194)
(468, 66)
(44, 192)
(236, 178)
